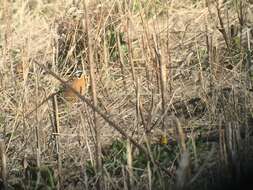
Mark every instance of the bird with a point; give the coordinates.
(79, 82)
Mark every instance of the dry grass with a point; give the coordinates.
(179, 70)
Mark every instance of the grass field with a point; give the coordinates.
(167, 103)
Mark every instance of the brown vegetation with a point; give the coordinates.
(170, 100)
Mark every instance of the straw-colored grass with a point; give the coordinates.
(169, 103)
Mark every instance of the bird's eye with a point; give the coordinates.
(78, 74)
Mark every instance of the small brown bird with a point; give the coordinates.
(80, 82)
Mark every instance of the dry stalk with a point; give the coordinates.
(83, 141)
(129, 165)
(105, 53)
(240, 12)
(56, 130)
(149, 176)
(150, 113)
(184, 170)
(130, 51)
(222, 26)
(156, 61)
(232, 144)
(141, 110)
(163, 84)
(193, 142)
(37, 124)
(3, 164)
(137, 106)
(169, 62)
(98, 154)
(181, 136)
(125, 178)
(248, 85)
(7, 31)
(24, 99)
(6, 46)
(222, 144)
(146, 31)
(85, 130)
(210, 59)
